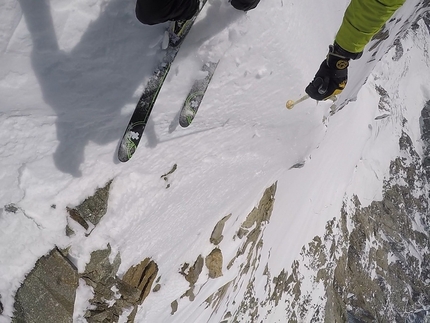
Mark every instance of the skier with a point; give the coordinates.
(151, 12)
(362, 20)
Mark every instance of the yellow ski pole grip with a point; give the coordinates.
(291, 103)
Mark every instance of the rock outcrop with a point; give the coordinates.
(89, 213)
(112, 296)
(213, 263)
(216, 236)
(250, 235)
(374, 262)
(48, 293)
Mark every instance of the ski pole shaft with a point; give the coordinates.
(291, 103)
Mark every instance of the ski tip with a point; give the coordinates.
(125, 153)
(184, 122)
(122, 157)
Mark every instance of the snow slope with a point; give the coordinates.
(70, 75)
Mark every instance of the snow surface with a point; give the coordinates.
(70, 76)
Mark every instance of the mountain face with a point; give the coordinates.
(339, 231)
(372, 263)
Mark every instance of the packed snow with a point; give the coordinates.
(70, 76)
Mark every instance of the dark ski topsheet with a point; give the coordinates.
(195, 96)
(137, 123)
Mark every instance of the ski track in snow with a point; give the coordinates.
(70, 76)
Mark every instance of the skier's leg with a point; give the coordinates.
(244, 5)
(151, 12)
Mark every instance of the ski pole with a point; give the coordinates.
(291, 103)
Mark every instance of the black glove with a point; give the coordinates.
(332, 75)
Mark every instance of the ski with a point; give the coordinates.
(196, 94)
(134, 131)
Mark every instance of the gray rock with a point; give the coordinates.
(174, 306)
(133, 288)
(194, 272)
(48, 292)
(100, 274)
(251, 231)
(216, 236)
(256, 219)
(93, 208)
(367, 286)
(11, 208)
(192, 275)
(100, 269)
(74, 215)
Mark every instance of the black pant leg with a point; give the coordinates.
(151, 12)
(244, 5)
